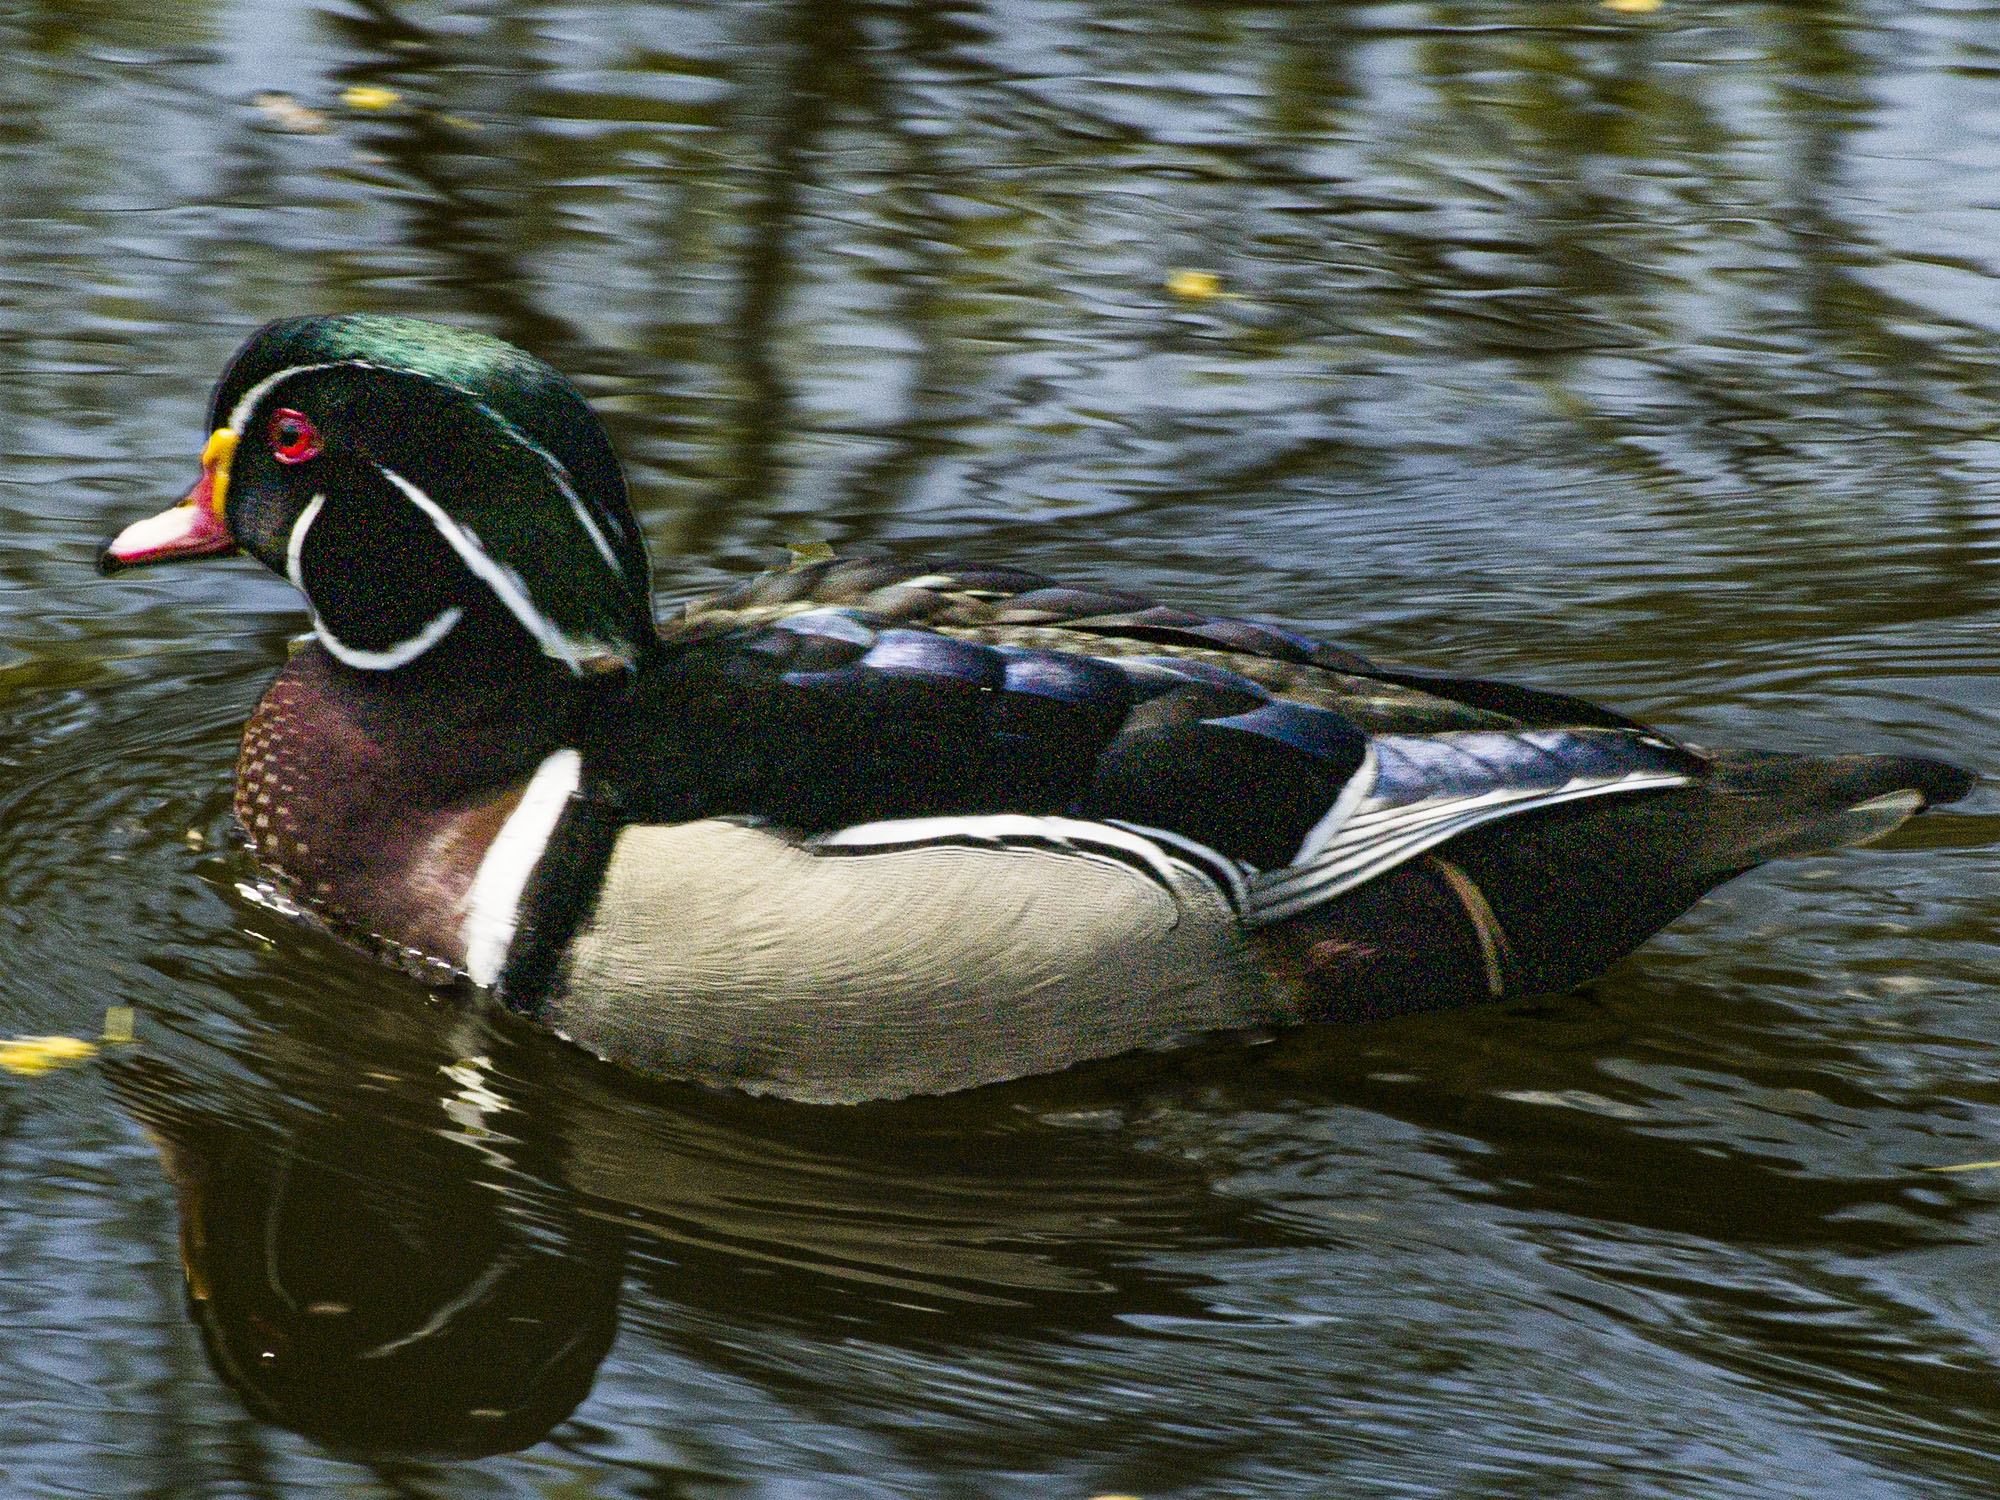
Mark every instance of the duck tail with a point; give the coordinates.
(1763, 806)
(1543, 902)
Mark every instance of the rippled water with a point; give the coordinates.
(1648, 356)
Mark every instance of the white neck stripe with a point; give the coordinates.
(571, 653)
(295, 544)
(390, 657)
(493, 906)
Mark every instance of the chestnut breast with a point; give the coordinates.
(374, 816)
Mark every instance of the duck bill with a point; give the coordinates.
(194, 528)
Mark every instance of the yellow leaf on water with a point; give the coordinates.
(1633, 7)
(285, 112)
(369, 96)
(1966, 1166)
(38, 1054)
(1196, 286)
(805, 554)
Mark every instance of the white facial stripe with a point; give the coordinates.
(591, 528)
(493, 906)
(505, 585)
(472, 1296)
(559, 472)
(239, 417)
(247, 403)
(295, 545)
(400, 654)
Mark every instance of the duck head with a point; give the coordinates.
(416, 482)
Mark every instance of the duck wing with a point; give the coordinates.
(1012, 606)
(986, 705)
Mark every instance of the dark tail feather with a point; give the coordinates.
(1766, 806)
(1543, 902)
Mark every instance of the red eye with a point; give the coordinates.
(294, 439)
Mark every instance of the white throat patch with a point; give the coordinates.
(389, 657)
(399, 655)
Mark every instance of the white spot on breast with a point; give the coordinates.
(493, 906)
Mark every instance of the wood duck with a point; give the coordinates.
(867, 828)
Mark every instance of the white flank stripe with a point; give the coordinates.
(999, 828)
(1359, 785)
(1376, 841)
(1230, 876)
(506, 586)
(493, 907)
(399, 655)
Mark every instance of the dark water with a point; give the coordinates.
(1650, 357)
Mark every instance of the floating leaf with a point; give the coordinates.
(370, 96)
(285, 112)
(39, 1054)
(1966, 1166)
(1633, 7)
(1196, 286)
(805, 554)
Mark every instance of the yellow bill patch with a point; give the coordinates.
(215, 456)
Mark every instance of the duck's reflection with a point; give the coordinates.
(388, 1292)
(404, 1233)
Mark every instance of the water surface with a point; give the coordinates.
(1650, 357)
